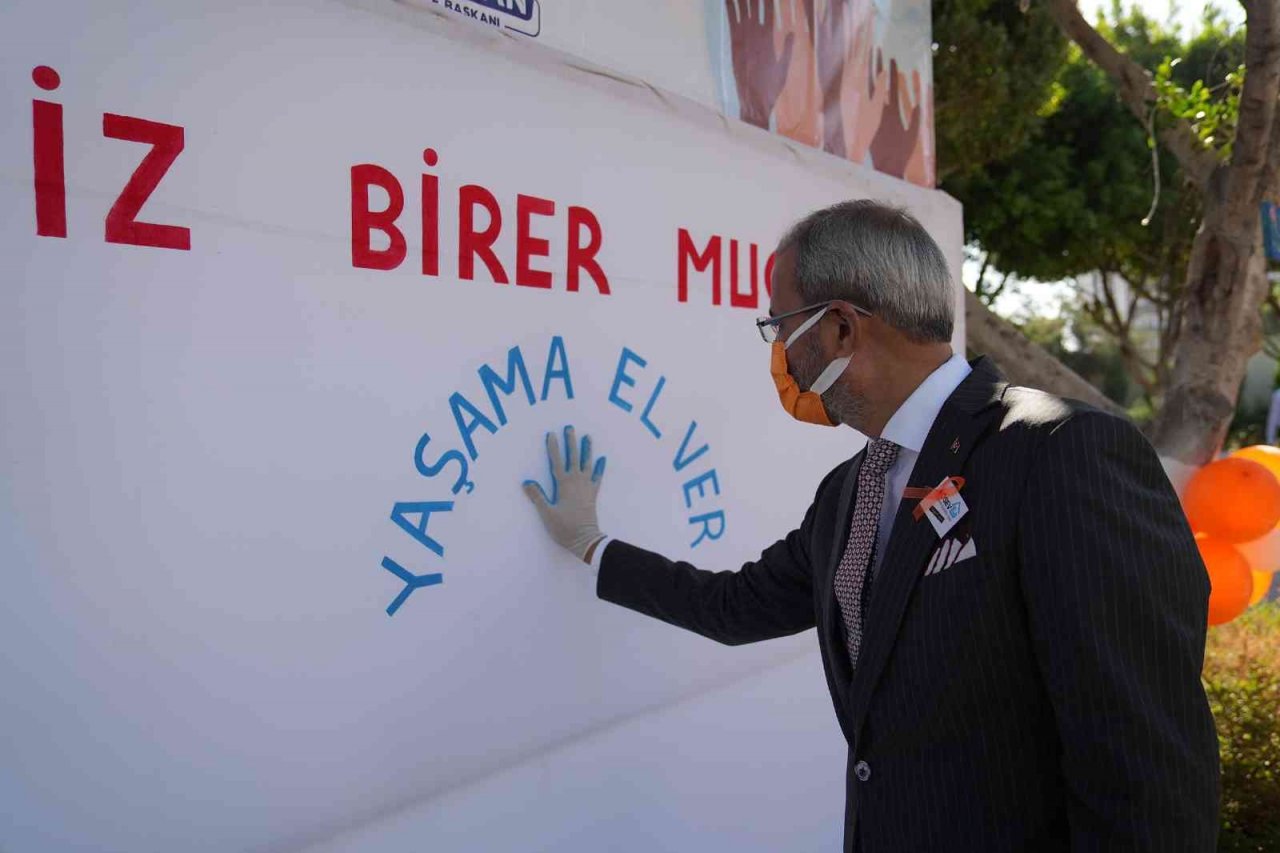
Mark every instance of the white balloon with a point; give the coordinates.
(1179, 473)
(1262, 554)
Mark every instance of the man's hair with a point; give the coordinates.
(879, 258)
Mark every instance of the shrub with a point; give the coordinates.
(1242, 679)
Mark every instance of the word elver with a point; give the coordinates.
(472, 419)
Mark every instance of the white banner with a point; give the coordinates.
(850, 77)
(269, 571)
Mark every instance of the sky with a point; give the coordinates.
(1187, 12)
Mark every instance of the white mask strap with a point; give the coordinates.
(805, 326)
(828, 377)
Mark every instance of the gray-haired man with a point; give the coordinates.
(1010, 607)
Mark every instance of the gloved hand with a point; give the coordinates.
(569, 513)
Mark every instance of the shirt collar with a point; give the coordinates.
(910, 425)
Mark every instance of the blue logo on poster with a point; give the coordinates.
(1271, 230)
(521, 16)
(522, 9)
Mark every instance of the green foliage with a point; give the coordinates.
(1089, 197)
(1242, 680)
(1211, 114)
(1073, 195)
(993, 71)
(1234, 841)
(1073, 198)
(1141, 413)
(1248, 427)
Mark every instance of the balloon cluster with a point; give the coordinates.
(1233, 505)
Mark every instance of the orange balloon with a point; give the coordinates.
(1235, 500)
(1264, 454)
(1261, 583)
(1230, 579)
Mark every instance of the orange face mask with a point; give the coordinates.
(804, 406)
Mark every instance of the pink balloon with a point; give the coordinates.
(1262, 555)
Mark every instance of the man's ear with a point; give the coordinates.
(849, 329)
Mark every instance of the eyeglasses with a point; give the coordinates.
(768, 326)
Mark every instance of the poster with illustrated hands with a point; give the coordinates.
(291, 299)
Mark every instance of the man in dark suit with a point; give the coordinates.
(1010, 607)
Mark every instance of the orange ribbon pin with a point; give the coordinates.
(928, 497)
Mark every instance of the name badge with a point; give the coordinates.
(945, 507)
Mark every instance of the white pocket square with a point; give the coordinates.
(950, 552)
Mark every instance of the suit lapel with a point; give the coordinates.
(960, 423)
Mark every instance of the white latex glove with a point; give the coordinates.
(569, 513)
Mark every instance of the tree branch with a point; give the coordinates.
(1271, 173)
(1119, 327)
(1271, 170)
(1136, 90)
(999, 288)
(1148, 294)
(980, 289)
(1139, 373)
(1254, 152)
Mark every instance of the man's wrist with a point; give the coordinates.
(595, 554)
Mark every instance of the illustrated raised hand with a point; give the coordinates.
(868, 82)
(798, 112)
(829, 31)
(897, 137)
(569, 512)
(759, 68)
(845, 43)
(920, 168)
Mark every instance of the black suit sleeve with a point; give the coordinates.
(1117, 600)
(770, 597)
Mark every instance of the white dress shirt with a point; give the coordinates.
(598, 555)
(908, 429)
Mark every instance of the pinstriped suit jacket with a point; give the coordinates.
(1043, 695)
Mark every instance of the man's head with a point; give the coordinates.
(870, 256)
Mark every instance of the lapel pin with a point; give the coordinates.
(955, 445)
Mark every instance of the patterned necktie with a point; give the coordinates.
(851, 574)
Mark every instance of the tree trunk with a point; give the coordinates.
(1221, 330)
(1226, 282)
(1023, 362)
